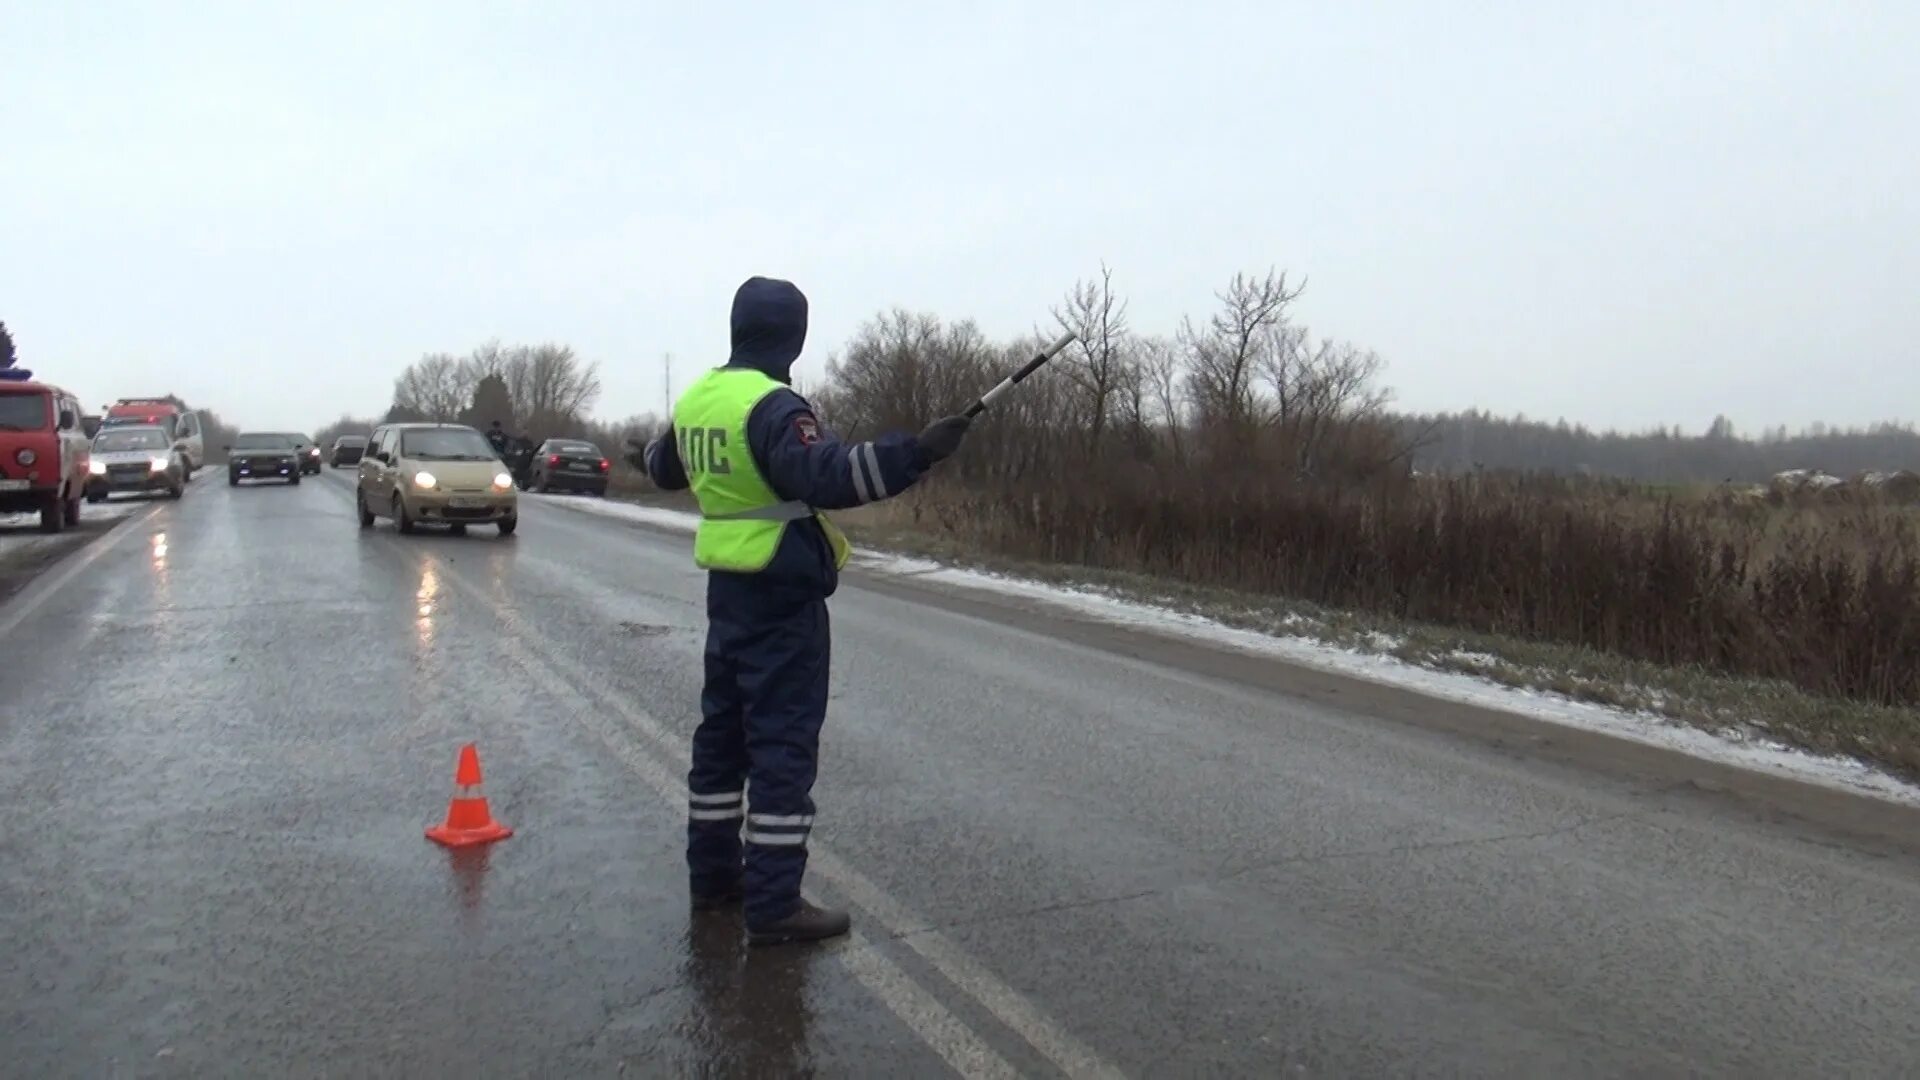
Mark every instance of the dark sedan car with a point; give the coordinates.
(569, 465)
(263, 456)
(308, 450)
(348, 450)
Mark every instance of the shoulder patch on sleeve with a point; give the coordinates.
(808, 430)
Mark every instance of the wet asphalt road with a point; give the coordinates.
(226, 725)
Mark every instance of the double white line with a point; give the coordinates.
(664, 770)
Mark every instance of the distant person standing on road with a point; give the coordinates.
(497, 436)
(761, 467)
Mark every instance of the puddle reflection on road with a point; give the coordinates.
(748, 1013)
(469, 866)
(424, 598)
(162, 584)
(161, 577)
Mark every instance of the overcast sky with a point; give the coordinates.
(1620, 214)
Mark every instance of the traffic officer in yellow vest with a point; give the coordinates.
(762, 468)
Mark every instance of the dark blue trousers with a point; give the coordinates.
(757, 746)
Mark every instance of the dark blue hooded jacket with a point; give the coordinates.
(799, 458)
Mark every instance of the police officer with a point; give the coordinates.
(762, 467)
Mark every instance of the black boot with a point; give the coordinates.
(810, 923)
(727, 897)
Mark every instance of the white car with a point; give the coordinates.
(134, 459)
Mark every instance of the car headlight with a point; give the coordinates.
(25, 456)
(160, 464)
(424, 479)
(502, 481)
(97, 468)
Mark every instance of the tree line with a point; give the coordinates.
(544, 388)
(537, 391)
(1460, 442)
(1242, 394)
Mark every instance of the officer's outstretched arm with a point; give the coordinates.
(663, 464)
(803, 460)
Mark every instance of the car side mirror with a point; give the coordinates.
(67, 419)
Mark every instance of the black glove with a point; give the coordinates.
(942, 438)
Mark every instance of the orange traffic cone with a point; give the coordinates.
(468, 819)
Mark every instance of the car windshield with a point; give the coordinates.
(23, 412)
(263, 442)
(130, 439)
(445, 444)
(568, 447)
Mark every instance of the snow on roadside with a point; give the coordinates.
(1755, 754)
(29, 524)
(664, 517)
(21, 538)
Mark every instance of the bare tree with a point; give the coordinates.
(1161, 374)
(435, 387)
(491, 358)
(1134, 403)
(901, 369)
(1224, 359)
(1319, 392)
(551, 388)
(1339, 397)
(1097, 361)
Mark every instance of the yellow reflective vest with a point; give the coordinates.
(741, 518)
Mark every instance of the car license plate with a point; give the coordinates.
(578, 466)
(459, 503)
(13, 485)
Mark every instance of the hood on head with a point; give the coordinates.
(769, 326)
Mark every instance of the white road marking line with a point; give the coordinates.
(935, 1025)
(44, 589)
(1005, 1003)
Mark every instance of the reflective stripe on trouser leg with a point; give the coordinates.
(716, 780)
(783, 678)
(779, 830)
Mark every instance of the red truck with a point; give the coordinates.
(44, 452)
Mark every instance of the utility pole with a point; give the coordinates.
(668, 404)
